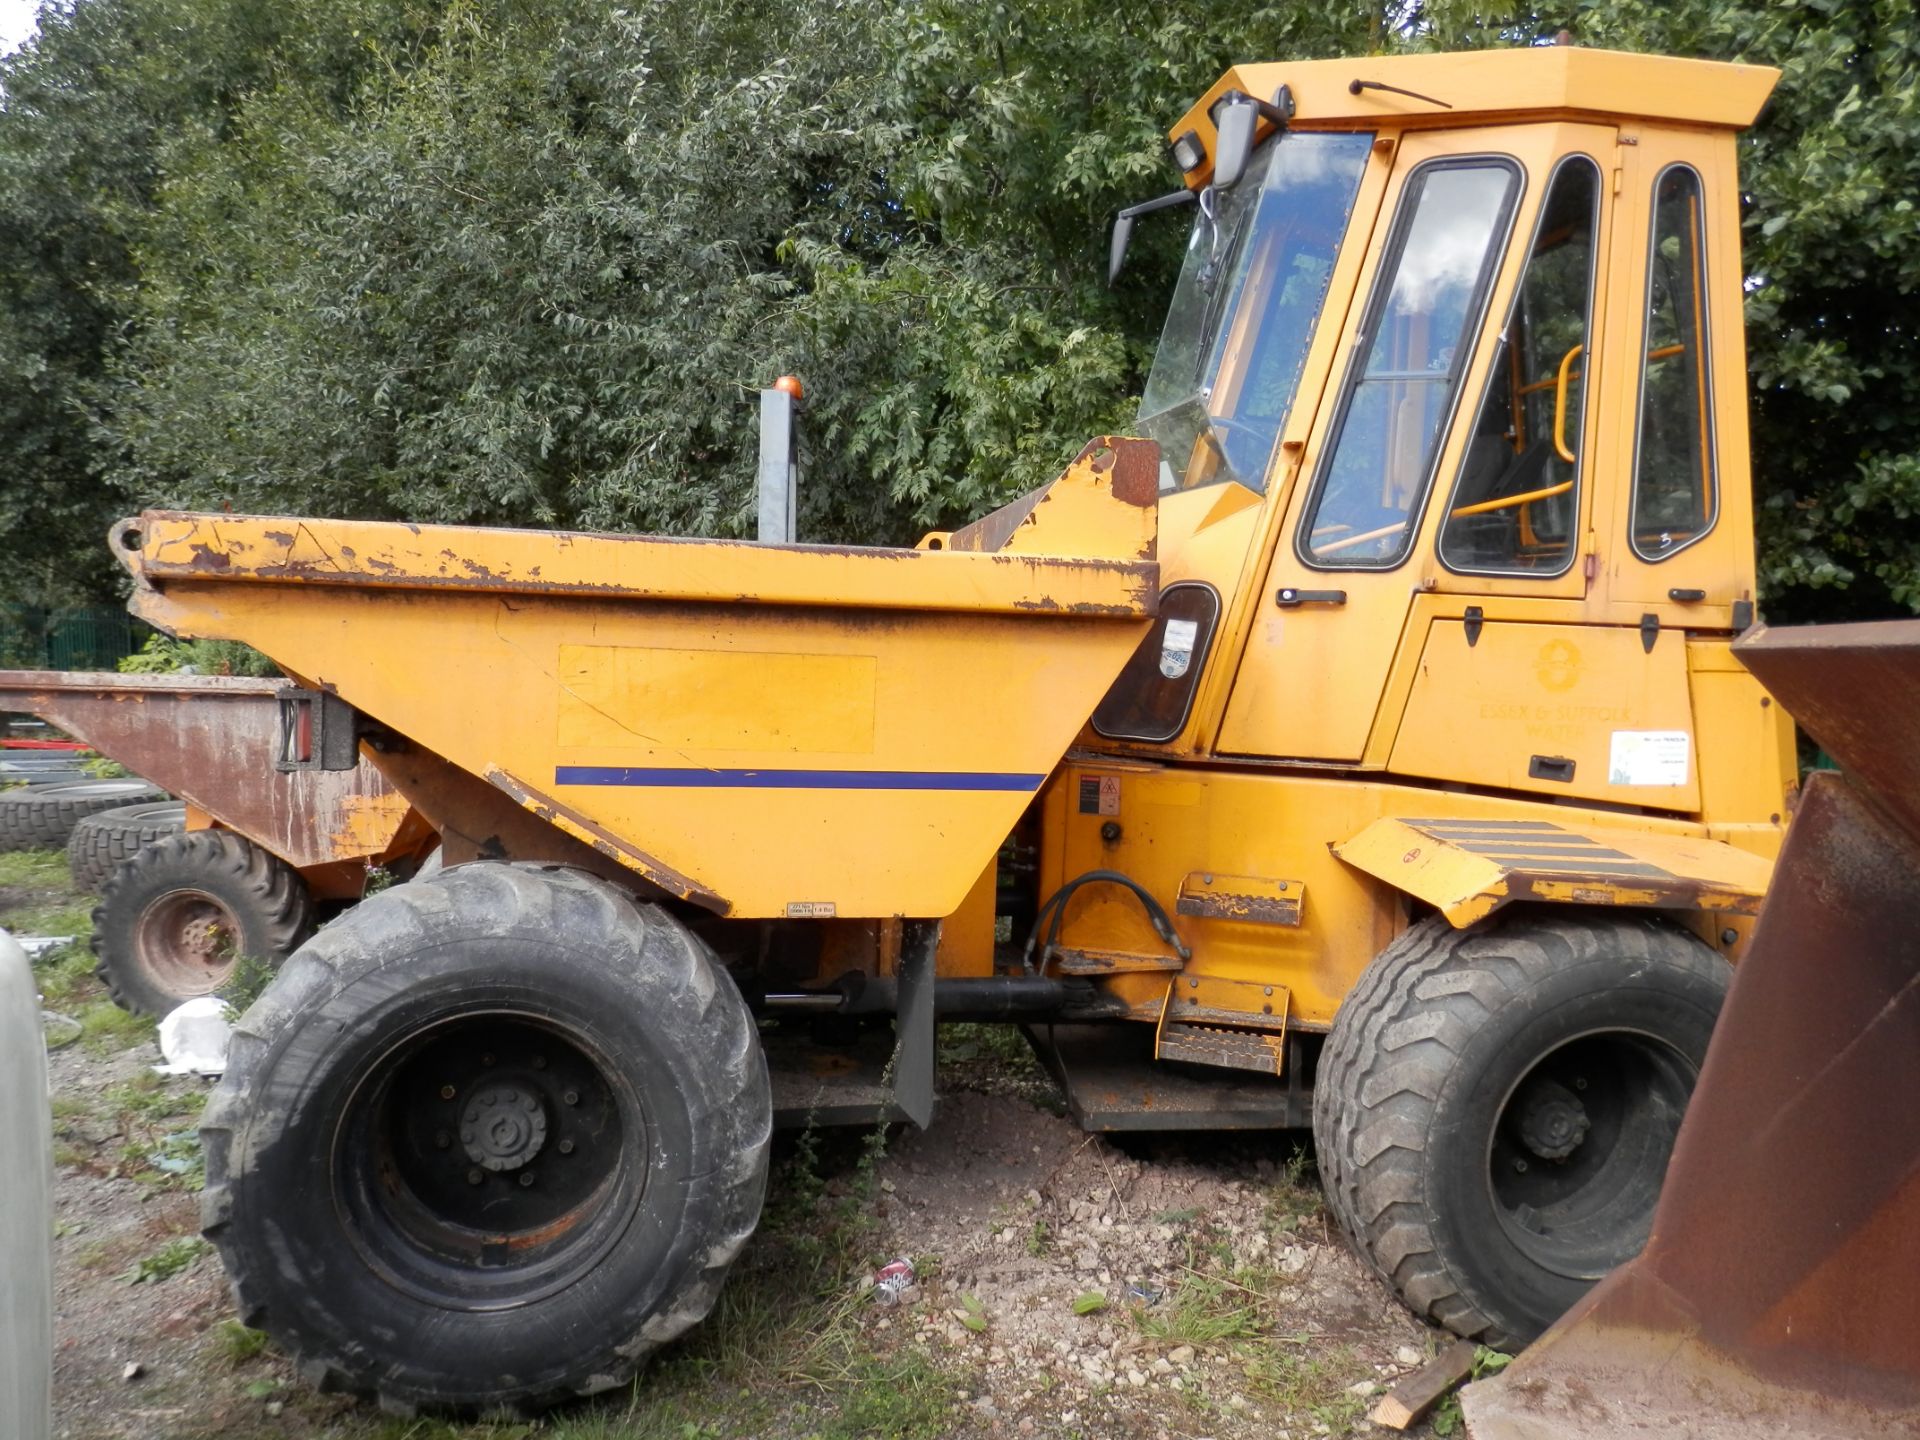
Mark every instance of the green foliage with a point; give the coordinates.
(164, 655)
(168, 1261)
(1448, 1418)
(236, 1344)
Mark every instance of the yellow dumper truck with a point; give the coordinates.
(1360, 745)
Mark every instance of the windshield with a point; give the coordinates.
(1243, 312)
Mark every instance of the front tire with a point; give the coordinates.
(488, 1140)
(1496, 1107)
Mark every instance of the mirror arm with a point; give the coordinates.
(1277, 112)
(1123, 227)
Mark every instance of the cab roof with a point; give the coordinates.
(1480, 87)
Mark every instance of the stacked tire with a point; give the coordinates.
(101, 843)
(42, 817)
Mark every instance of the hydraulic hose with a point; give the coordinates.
(1053, 914)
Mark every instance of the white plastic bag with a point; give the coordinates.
(194, 1037)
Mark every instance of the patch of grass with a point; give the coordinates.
(107, 1029)
(70, 1155)
(1202, 1310)
(235, 1344)
(1295, 1198)
(166, 1262)
(66, 978)
(61, 916)
(1039, 1239)
(147, 1097)
(1306, 1380)
(41, 869)
(904, 1397)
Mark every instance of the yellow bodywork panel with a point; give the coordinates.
(1468, 868)
(1530, 82)
(767, 731)
(1583, 710)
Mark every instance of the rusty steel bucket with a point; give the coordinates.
(1779, 1293)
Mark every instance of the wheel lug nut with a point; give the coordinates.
(474, 1177)
(441, 1139)
(572, 1097)
(1580, 1083)
(1520, 1166)
(526, 1178)
(539, 1062)
(566, 1147)
(446, 1092)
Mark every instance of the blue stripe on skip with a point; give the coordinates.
(795, 779)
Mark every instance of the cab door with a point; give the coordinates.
(1354, 549)
(1678, 533)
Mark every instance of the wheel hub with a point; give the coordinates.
(503, 1127)
(1553, 1122)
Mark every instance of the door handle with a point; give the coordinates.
(1288, 597)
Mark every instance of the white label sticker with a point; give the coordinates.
(1176, 647)
(1648, 757)
(810, 910)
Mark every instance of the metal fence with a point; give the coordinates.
(91, 637)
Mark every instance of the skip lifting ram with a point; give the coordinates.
(1362, 744)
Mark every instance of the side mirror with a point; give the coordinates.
(1123, 227)
(1233, 122)
(1117, 247)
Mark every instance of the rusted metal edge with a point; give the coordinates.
(1135, 583)
(572, 822)
(1244, 898)
(102, 682)
(1068, 960)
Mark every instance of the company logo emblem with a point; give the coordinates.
(1558, 665)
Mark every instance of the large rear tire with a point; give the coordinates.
(487, 1140)
(174, 921)
(1496, 1106)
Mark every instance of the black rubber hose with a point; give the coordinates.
(1053, 914)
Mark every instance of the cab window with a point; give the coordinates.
(1515, 502)
(1674, 494)
(1417, 335)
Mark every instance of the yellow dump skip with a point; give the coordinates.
(1467, 869)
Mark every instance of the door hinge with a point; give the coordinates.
(1472, 622)
(1649, 631)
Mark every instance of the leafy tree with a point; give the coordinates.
(90, 113)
